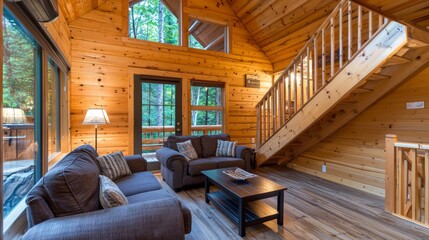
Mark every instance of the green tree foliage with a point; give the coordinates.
(151, 20)
(19, 73)
(206, 96)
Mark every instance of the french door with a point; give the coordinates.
(158, 112)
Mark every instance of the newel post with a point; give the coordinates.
(390, 189)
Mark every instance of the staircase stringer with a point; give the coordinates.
(385, 44)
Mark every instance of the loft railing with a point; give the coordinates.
(407, 179)
(339, 39)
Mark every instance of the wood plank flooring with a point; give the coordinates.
(314, 209)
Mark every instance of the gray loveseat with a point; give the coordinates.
(65, 204)
(178, 172)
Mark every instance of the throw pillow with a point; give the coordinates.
(114, 165)
(225, 148)
(187, 149)
(110, 194)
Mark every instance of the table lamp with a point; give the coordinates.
(96, 116)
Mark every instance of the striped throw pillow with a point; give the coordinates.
(225, 148)
(187, 149)
(114, 165)
(110, 194)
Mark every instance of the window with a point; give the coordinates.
(154, 20)
(31, 107)
(208, 36)
(207, 108)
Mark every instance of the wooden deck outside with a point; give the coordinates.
(314, 209)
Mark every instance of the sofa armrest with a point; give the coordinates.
(136, 163)
(244, 153)
(167, 156)
(144, 220)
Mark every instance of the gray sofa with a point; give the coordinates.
(178, 172)
(65, 204)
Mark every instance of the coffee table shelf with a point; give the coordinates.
(256, 211)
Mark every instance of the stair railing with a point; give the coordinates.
(407, 180)
(340, 37)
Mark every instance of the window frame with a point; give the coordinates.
(205, 128)
(45, 49)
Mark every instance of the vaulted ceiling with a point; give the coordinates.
(282, 27)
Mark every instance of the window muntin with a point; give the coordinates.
(207, 109)
(207, 35)
(154, 20)
(20, 61)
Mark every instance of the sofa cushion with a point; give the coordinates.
(225, 148)
(196, 142)
(72, 185)
(138, 182)
(225, 162)
(149, 196)
(196, 166)
(187, 150)
(209, 143)
(110, 195)
(114, 165)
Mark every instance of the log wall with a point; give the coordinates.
(355, 154)
(104, 62)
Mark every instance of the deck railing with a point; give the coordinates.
(339, 39)
(407, 179)
(153, 137)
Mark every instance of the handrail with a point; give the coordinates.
(322, 57)
(407, 174)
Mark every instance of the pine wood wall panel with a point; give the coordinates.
(60, 33)
(355, 155)
(103, 62)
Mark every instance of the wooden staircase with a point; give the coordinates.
(355, 58)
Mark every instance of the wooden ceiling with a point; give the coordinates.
(73, 9)
(282, 27)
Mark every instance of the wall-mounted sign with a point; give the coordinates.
(415, 105)
(252, 81)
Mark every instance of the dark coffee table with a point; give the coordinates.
(238, 199)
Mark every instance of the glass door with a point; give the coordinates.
(158, 109)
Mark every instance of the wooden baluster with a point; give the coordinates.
(289, 93)
(269, 114)
(426, 182)
(275, 108)
(301, 80)
(295, 88)
(390, 184)
(359, 28)
(323, 57)
(332, 47)
(380, 21)
(349, 30)
(369, 24)
(258, 126)
(315, 66)
(401, 179)
(308, 74)
(415, 200)
(340, 40)
(282, 100)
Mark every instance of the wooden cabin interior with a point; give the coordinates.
(331, 95)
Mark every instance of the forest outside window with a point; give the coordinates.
(154, 20)
(208, 36)
(207, 108)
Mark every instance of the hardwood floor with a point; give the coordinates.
(314, 209)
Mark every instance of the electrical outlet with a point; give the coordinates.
(324, 168)
(253, 140)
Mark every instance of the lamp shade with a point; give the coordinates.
(96, 116)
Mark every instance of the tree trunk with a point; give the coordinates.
(159, 102)
(160, 22)
(195, 114)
